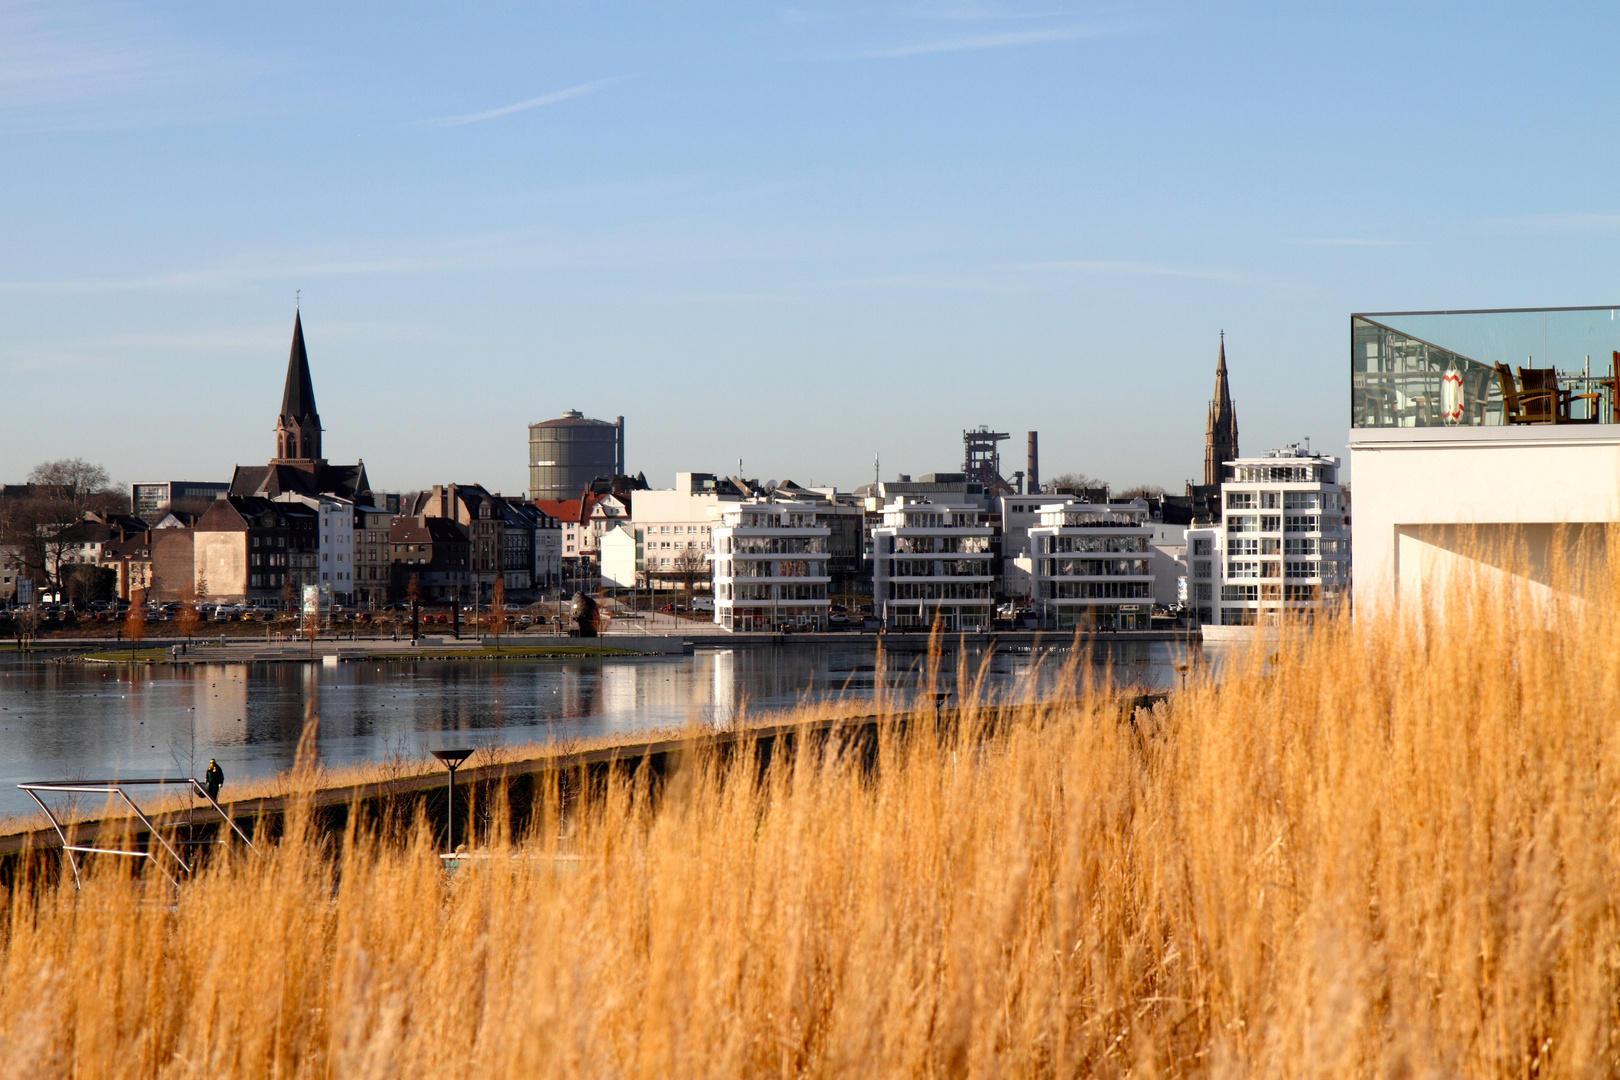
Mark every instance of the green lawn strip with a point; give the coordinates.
(124, 656)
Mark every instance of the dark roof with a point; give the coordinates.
(426, 530)
(298, 399)
(348, 481)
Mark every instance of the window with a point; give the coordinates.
(1298, 523)
(1240, 592)
(1240, 500)
(1201, 568)
(1242, 545)
(1268, 500)
(1201, 545)
(1302, 569)
(1302, 500)
(1305, 546)
(1243, 570)
(1271, 523)
(1243, 523)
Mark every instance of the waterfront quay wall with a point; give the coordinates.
(515, 788)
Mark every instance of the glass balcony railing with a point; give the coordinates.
(1485, 368)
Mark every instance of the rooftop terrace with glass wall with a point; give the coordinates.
(1485, 368)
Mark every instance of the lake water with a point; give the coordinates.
(96, 721)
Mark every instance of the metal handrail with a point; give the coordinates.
(116, 787)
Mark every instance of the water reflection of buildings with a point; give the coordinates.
(221, 704)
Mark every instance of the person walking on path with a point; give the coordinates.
(213, 779)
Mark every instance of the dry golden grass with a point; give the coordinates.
(1375, 849)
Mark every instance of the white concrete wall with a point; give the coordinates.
(220, 560)
(1409, 481)
(618, 555)
(1169, 547)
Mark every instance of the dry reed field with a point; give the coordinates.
(1373, 848)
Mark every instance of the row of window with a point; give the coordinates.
(912, 520)
(1053, 545)
(764, 519)
(938, 568)
(758, 568)
(1097, 590)
(773, 545)
(1271, 523)
(1284, 500)
(939, 590)
(760, 591)
(1306, 593)
(924, 545)
(1094, 567)
(1281, 474)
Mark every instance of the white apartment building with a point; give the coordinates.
(1204, 546)
(675, 525)
(770, 566)
(931, 561)
(1092, 566)
(1282, 546)
(336, 553)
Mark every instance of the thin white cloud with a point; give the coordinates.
(993, 41)
(1135, 269)
(1350, 241)
(524, 106)
(76, 66)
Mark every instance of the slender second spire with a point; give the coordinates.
(1221, 433)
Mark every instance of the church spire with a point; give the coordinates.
(1221, 433)
(298, 427)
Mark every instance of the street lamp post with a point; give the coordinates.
(452, 759)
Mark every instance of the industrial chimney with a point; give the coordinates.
(1032, 480)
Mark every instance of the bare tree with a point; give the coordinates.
(1142, 491)
(689, 567)
(186, 619)
(43, 528)
(44, 525)
(413, 593)
(497, 609)
(135, 622)
(1075, 481)
(76, 478)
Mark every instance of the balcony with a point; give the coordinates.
(1484, 368)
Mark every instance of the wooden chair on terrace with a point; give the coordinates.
(1613, 384)
(1523, 408)
(1543, 383)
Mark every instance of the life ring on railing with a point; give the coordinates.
(1451, 396)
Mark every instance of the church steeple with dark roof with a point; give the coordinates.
(1221, 433)
(298, 427)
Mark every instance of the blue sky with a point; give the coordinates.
(796, 235)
